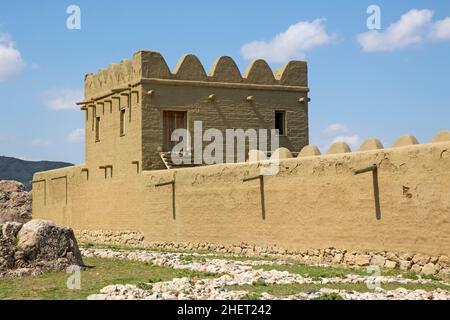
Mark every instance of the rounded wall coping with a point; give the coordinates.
(189, 67)
(281, 153)
(405, 140)
(339, 147)
(371, 144)
(309, 151)
(442, 136)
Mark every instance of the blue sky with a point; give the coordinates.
(380, 84)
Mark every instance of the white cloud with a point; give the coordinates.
(76, 136)
(414, 27)
(35, 66)
(338, 132)
(62, 99)
(440, 31)
(11, 63)
(290, 44)
(353, 140)
(336, 128)
(41, 143)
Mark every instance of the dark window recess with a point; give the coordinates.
(122, 122)
(280, 122)
(97, 129)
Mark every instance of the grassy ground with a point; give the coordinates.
(105, 272)
(111, 271)
(294, 267)
(316, 272)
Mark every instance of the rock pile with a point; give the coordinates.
(234, 272)
(416, 262)
(36, 247)
(15, 202)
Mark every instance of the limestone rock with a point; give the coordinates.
(11, 229)
(46, 241)
(6, 254)
(444, 261)
(421, 259)
(405, 265)
(337, 258)
(15, 202)
(429, 268)
(362, 260)
(406, 256)
(390, 264)
(416, 268)
(349, 258)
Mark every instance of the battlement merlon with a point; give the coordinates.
(147, 66)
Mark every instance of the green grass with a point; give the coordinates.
(329, 296)
(252, 296)
(414, 276)
(314, 272)
(259, 283)
(280, 290)
(105, 272)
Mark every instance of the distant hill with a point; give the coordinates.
(22, 171)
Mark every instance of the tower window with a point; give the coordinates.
(97, 129)
(122, 122)
(280, 122)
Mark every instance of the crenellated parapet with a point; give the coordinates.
(150, 65)
(341, 147)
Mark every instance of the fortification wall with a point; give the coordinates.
(313, 202)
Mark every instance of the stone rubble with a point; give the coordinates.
(235, 272)
(418, 263)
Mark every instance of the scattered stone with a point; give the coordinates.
(325, 256)
(238, 272)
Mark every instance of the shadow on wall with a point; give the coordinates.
(342, 148)
(261, 191)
